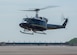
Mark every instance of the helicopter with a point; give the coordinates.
(39, 24)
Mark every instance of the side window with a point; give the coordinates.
(40, 17)
(24, 19)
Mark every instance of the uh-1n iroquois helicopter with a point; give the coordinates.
(40, 24)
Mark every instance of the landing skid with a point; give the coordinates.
(33, 31)
(26, 33)
(40, 32)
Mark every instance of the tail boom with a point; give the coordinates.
(52, 26)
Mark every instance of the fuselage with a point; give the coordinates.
(38, 24)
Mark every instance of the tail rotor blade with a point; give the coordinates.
(62, 17)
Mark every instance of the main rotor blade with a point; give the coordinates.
(48, 7)
(38, 9)
(27, 10)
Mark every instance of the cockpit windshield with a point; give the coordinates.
(25, 19)
(38, 22)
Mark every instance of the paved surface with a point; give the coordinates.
(38, 50)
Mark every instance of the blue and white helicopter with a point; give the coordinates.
(39, 24)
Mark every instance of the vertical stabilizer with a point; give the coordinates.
(65, 23)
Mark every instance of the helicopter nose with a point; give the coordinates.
(24, 25)
(21, 25)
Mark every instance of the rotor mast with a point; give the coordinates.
(36, 14)
(37, 10)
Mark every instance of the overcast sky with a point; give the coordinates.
(11, 16)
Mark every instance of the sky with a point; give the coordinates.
(11, 16)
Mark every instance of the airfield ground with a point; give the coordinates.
(38, 50)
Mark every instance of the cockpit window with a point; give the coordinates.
(40, 17)
(37, 22)
(24, 19)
